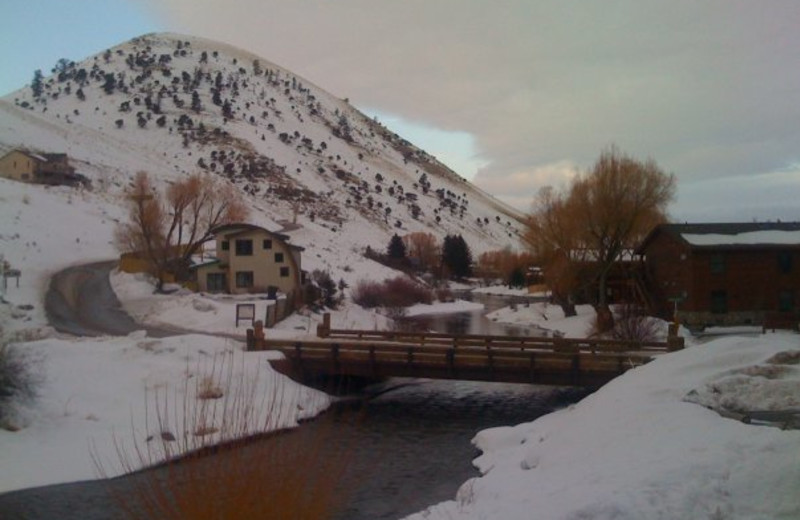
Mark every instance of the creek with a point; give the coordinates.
(408, 441)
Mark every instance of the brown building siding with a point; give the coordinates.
(721, 284)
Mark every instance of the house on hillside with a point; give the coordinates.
(41, 168)
(724, 274)
(250, 259)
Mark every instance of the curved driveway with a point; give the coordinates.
(80, 301)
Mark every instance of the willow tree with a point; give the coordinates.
(605, 212)
(167, 229)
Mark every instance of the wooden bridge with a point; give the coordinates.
(379, 354)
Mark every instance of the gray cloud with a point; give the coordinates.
(710, 89)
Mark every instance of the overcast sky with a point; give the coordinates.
(520, 94)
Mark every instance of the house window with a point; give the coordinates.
(719, 302)
(267, 243)
(226, 246)
(717, 264)
(785, 262)
(284, 272)
(786, 300)
(244, 279)
(215, 282)
(278, 258)
(244, 247)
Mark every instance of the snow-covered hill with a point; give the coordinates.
(173, 105)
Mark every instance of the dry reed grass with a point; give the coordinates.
(209, 465)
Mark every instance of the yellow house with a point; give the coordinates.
(19, 166)
(26, 166)
(250, 259)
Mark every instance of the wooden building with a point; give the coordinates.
(41, 168)
(250, 259)
(723, 274)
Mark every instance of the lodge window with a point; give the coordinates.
(284, 272)
(244, 247)
(786, 301)
(278, 258)
(225, 245)
(717, 264)
(267, 244)
(244, 279)
(719, 302)
(785, 262)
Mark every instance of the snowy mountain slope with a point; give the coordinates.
(173, 105)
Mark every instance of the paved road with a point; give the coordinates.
(80, 301)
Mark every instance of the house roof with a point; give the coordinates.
(41, 157)
(729, 235)
(237, 228)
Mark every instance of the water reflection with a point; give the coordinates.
(476, 322)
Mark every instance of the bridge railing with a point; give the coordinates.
(558, 344)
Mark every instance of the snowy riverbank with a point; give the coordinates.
(647, 446)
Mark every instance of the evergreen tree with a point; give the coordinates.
(110, 83)
(516, 280)
(196, 105)
(456, 256)
(37, 85)
(396, 249)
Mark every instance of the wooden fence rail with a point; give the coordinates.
(673, 341)
(377, 354)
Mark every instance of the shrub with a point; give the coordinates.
(404, 292)
(19, 379)
(327, 288)
(392, 293)
(630, 323)
(368, 294)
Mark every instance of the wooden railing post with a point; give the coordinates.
(675, 343)
(324, 328)
(258, 333)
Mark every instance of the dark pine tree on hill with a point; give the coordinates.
(197, 106)
(37, 85)
(397, 248)
(456, 256)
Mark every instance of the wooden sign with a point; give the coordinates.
(245, 311)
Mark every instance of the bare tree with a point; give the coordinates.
(605, 212)
(553, 235)
(167, 230)
(424, 247)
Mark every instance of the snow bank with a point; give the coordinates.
(638, 448)
(98, 392)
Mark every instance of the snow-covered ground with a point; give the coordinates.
(644, 446)
(96, 394)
